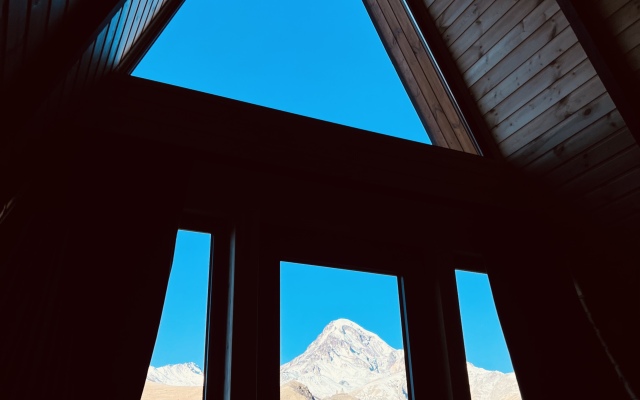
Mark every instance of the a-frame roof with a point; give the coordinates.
(547, 86)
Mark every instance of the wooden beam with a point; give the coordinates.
(147, 38)
(608, 60)
(420, 76)
(454, 81)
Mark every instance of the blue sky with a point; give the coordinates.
(182, 326)
(320, 59)
(484, 342)
(313, 296)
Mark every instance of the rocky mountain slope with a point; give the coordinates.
(347, 362)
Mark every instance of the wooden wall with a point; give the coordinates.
(52, 50)
(548, 110)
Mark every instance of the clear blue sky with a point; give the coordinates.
(312, 296)
(182, 326)
(322, 59)
(319, 59)
(483, 338)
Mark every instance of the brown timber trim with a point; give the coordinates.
(420, 76)
(607, 59)
(147, 38)
(476, 125)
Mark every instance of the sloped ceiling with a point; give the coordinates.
(534, 72)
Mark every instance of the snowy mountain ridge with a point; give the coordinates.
(348, 362)
(186, 374)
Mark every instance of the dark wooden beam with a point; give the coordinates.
(607, 59)
(453, 79)
(148, 37)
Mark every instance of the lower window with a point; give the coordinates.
(177, 364)
(340, 335)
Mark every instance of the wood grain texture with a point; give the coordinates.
(442, 117)
(508, 32)
(482, 24)
(541, 140)
(602, 173)
(590, 158)
(581, 141)
(465, 20)
(516, 111)
(555, 59)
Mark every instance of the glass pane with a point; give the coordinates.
(318, 59)
(176, 370)
(340, 334)
(491, 375)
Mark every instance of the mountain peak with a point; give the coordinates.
(344, 356)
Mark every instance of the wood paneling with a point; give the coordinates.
(540, 70)
(540, 94)
(560, 152)
(419, 75)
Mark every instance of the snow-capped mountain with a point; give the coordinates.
(347, 362)
(187, 374)
(492, 385)
(346, 358)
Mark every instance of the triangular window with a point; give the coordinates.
(323, 60)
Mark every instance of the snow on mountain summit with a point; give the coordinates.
(344, 357)
(348, 362)
(186, 374)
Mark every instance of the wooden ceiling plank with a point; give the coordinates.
(138, 20)
(409, 80)
(623, 18)
(415, 54)
(109, 42)
(455, 84)
(618, 211)
(600, 152)
(125, 14)
(37, 30)
(465, 20)
(15, 38)
(524, 113)
(505, 62)
(630, 37)
(83, 68)
(126, 30)
(506, 34)
(437, 7)
(541, 142)
(633, 57)
(527, 69)
(34, 81)
(96, 57)
(549, 77)
(576, 144)
(608, 61)
(442, 102)
(602, 173)
(613, 190)
(161, 18)
(555, 59)
(56, 15)
(608, 7)
(449, 16)
(481, 25)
